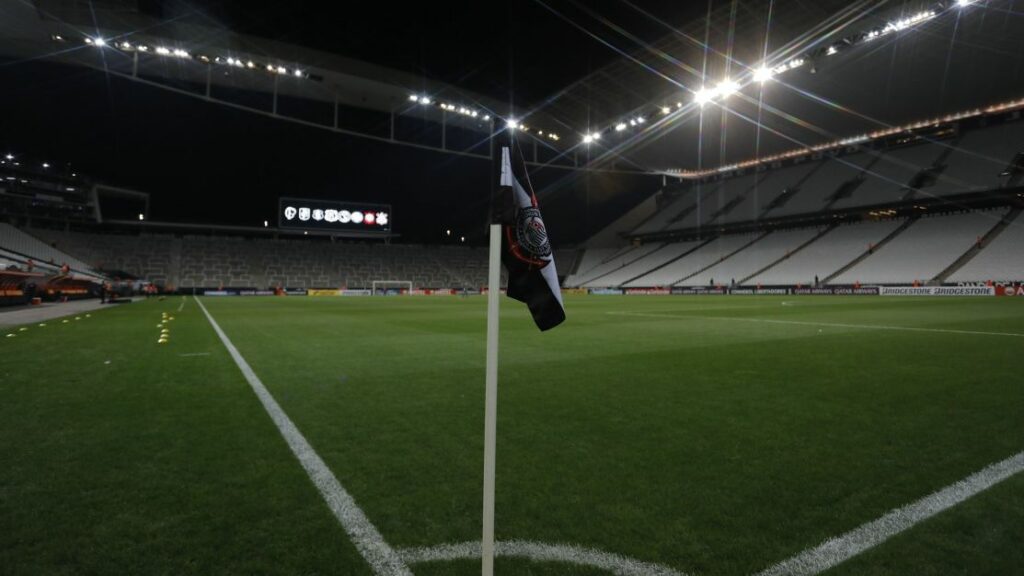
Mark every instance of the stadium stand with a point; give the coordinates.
(18, 246)
(213, 261)
(822, 258)
(981, 156)
(707, 254)
(654, 260)
(754, 257)
(1000, 257)
(609, 265)
(923, 250)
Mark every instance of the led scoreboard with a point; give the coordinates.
(307, 214)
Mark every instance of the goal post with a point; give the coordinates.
(391, 288)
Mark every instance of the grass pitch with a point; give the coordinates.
(714, 435)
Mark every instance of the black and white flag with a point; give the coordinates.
(526, 251)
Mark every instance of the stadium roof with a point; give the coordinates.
(638, 110)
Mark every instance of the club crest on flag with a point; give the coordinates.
(532, 242)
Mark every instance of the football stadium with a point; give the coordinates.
(539, 287)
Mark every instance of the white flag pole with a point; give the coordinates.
(491, 397)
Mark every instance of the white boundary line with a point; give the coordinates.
(837, 550)
(378, 554)
(826, 324)
(540, 552)
(182, 306)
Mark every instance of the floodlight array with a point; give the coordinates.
(182, 54)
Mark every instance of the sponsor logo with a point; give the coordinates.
(937, 291)
(648, 291)
(697, 291)
(606, 291)
(576, 291)
(322, 292)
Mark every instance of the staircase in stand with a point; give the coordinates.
(978, 247)
(867, 253)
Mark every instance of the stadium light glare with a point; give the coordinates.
(703, 96)
(46, 164)
(963, 3)
(298, 72)
(462, 238)
(142, 216)
(666, 110)
(413, 97)
(98, 41)
(142, 48)
(487, 117)
(266, 223)
(9, 156)
(640, 119)
(620, 126)
(587, 138)
(163, 51)
(763, 74)
(596, 135)
(447, 232)
(511, 124)
(727, 88)
(424, 100)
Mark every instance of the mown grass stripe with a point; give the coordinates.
(368, 540)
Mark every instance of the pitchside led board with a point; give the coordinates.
(323, 215)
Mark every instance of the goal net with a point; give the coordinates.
(392, 287)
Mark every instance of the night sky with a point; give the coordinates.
(207, 163)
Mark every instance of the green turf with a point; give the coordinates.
(690, 437)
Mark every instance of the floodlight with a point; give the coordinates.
(9, 156)
(424, 100)
(587, 138)
(620, 126)
(162, 51)
(511, 124)
(181, 53)
(703, 96)
(46, 165)
(487, 117)
(665, 110)
(763, 74)
(282, 70)
(298, 72)
(596, 135)
(640, 120)
(727, 88)
(141, 216)
(413, 97)
(99, 42)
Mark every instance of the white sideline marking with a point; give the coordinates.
(841, 548)
(827, 324)
(182, 306)
(380, 556)
(540, 552)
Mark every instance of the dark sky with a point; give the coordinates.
(207, 163)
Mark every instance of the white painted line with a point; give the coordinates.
(380, 556)
(190, 354)
(540, 552)
(841, 548)
(826, 324)
(183, 300)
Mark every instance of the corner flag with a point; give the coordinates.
(526, 251)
